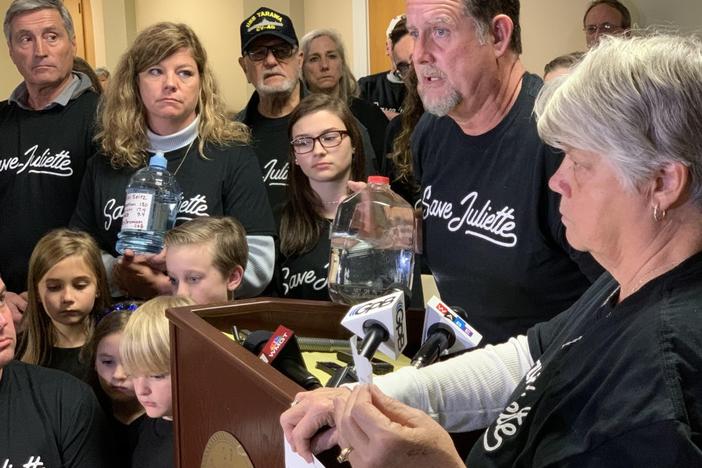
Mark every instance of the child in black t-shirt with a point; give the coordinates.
(67, 287)
(146, 355)
(205, 258)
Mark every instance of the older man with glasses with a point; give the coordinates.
(272, 62)
(604, 17)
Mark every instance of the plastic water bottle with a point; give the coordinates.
(372, 244)
(150, 207)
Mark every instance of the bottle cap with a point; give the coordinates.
(378, 179)
(158, 160)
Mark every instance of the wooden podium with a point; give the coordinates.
(221, 389)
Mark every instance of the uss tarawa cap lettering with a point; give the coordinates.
(267, 22)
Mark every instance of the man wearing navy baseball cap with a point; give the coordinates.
(271, 61)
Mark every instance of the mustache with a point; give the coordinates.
(272, 72)
(430, 71)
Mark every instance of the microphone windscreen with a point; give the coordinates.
(289, 360)
(255, 341)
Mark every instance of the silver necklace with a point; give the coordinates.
(187, 151)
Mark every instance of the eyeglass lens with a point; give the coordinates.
(604, 28)
(280, 52)
(327, 140)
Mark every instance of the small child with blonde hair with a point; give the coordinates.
(146, 356)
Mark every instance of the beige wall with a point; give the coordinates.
(317, 16)
(550, 28)
(113, 23)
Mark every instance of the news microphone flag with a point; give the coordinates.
(387, 311)
(437, 311)
(275, 344)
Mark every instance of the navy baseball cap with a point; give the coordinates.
(267, 22)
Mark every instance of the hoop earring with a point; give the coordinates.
(658, 215)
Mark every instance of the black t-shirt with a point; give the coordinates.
(154, 448)
(613, 384)
(382, 92)
(43, 155)
(305, 276)
(493, 238)
(68, 360)
(270, 142)
(227, 183)
(375, 122)
(49, 416)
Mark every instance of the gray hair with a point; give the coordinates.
(637, 101)
(17, 7)
(102, 71)
(348, 87)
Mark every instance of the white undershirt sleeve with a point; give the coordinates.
(466, 392)
(109, 262)
(259, 266)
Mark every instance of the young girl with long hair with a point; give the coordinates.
(67, 287)
(326, 151)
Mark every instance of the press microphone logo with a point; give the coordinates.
(386, 312)
(453, 317)
(400, 325)
(370, 306)
(275, 344)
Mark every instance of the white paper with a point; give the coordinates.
(293, 460)
(137, 211)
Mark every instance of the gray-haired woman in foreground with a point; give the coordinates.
(612, 381)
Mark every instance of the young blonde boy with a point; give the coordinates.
(146, 357)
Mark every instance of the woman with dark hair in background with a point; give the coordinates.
(326, 151)
(398, 142)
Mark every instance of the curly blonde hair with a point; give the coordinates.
(122, 125)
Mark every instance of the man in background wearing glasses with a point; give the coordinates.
(605, 17)
(272, 62)
(387, 89)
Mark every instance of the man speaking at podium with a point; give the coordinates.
(493, 237)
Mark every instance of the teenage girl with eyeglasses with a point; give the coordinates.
(326, 151)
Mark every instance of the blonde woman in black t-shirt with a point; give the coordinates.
(163, 97)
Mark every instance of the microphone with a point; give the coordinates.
(380, 323)
(281, 350)
(445, 331)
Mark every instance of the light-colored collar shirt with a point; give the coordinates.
(75, 88)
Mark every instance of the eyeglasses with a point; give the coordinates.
(604, 28)
(280, 52)
(328, 140)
